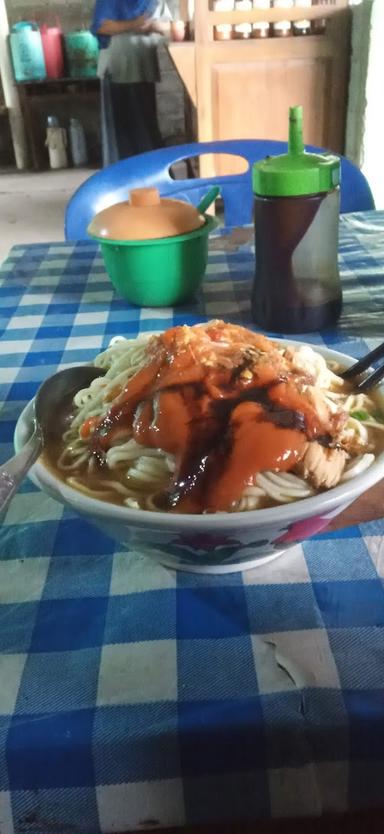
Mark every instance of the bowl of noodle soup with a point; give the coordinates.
(213, 448)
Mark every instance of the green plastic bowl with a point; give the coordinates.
(158, 273)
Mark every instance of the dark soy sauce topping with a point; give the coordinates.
(211, 441)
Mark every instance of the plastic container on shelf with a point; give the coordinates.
(297, 200)
(178, 30)
(56, 142)
(27, 52)
(78, 144)
(243, 31)
(282, 28)
(190, 20)
(223, 31)
(261, 29)
(82, 50)
(52, 39)
(302, 26)
(319, 25)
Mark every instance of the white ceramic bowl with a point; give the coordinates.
(209, 543)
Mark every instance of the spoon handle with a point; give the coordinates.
(13, 472)
(208, 199)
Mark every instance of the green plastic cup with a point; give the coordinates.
(158, 273)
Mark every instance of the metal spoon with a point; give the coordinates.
(51, 395)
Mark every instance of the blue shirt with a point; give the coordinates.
(118, 10)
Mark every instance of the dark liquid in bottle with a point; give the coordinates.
(281, 300)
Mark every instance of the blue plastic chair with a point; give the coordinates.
(112, 184)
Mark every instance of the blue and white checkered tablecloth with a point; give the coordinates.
(133, 697)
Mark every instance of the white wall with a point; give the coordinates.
(373, 134)
(361, 28)
(71, 13)
(365, 124)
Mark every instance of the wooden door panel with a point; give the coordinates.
(251, 100)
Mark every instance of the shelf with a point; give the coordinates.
(274, 15)
(52, 81)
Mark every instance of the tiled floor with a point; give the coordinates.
(32, 205)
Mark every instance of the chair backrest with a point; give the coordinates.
(112, 184)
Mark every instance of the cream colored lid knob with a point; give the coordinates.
(141, 197)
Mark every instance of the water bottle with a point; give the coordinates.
(56, 143)
(78, 144)
(297, 201)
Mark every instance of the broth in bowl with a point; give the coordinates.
(213, 418)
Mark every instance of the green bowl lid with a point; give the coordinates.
(296, 173)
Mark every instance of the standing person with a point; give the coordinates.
(129, 32)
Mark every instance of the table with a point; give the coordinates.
(132, 697)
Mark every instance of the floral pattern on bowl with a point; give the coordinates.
(207, 550)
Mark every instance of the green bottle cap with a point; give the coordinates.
(296, 173)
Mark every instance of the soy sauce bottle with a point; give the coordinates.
(297, 201)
